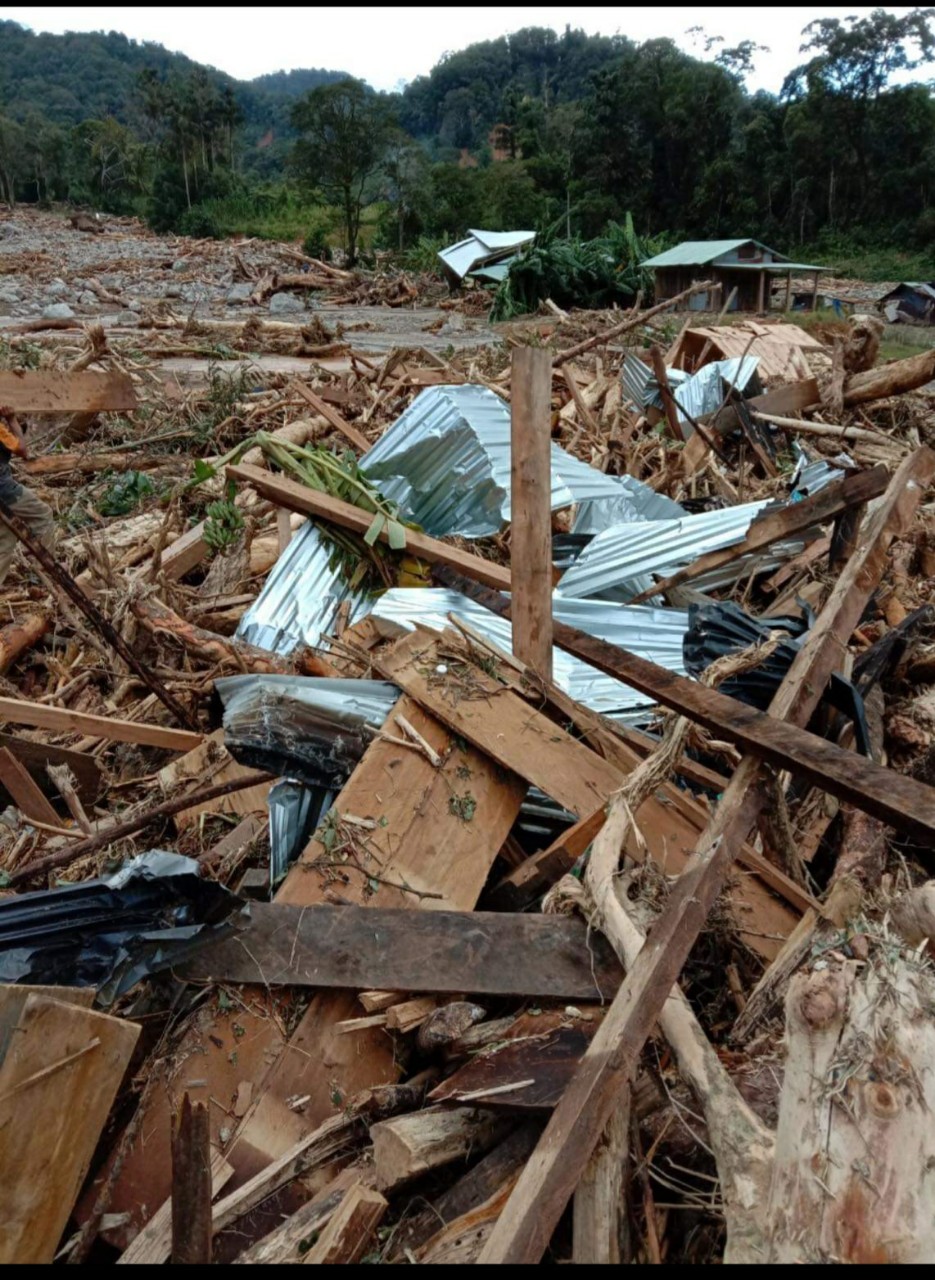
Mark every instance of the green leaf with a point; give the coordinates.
(396, 535)
(370, 537)
(203, 470)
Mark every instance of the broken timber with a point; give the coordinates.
(322, 506)
(64, 720)
(47, 391)
(549, 1179)
(486, 953)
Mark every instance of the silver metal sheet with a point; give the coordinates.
(627, 558)
(294, 811)
(694, 394)
(300, 599)
(446, 462)
(655, 634)
(480, 247)
(634, 501)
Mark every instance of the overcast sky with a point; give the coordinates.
(386, 46)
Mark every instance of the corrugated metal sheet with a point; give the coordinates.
(481, 247)
(694, 394)
(626, 559)
(446, 462)
(696, 253)
(634, 501)
(653, 633)
(294, 812)
(300, 598)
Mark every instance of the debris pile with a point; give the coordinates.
(464, 804)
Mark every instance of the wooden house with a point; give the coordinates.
(745, 270)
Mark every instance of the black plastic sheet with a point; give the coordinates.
(110, 933)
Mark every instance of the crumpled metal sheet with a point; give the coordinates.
(152, 914)
(809, 478)
(302, 726)
(652, 633)
(628, 558)
(694, 394)
(300, 598)
(446, 462)
(634, 501)
(481, 247)
(294, 812)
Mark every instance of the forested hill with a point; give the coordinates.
(91, 76)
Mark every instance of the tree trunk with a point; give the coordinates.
(890, 379)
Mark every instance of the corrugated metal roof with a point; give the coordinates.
(778, 267)
(446, 462)
(697, 253)
(635, 501)
(627, 559)
(653, 633)
(481, 247)
(695, 394)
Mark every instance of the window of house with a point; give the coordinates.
(746, 251)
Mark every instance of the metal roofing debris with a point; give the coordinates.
(633, 501)
(652, 633)
(694, 394)
(446, 462)
(627, 558)
(301, 597)
(294, 812)
(482, 248)
(697, 253)
(302, 726)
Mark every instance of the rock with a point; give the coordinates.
(8, 230)
(57, 289)
(110, 281)
(239, 292)
(180, 265)
(173, 291)
(281, 304)
(87, 299)
(128, 318)
(57, 311)
(194, 292)
(10, 293)
(135, 305)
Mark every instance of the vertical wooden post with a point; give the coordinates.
(283, 528)
(531, 503)
(191, 1183)
(760, 291)
(788, 290)
(815, 293)
(668, 402)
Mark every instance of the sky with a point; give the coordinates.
(392, 45)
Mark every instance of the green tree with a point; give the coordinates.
(344, 130)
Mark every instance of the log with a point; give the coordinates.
(600, 1208)
(347, 1235)
(17, 637)
(890, 379)
(406, 1147)
(288, 1241)
(208, 646)
(191, 1184)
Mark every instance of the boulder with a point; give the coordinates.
(281, 304)
(57, 311)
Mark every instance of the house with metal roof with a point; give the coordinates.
(744, 269)
(912, 302)
(484, 255)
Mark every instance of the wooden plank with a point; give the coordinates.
(523, 740)
(531, 505)
(543, 1190)
(16, 711)
(600, 1208)
(288, 1241)
(485, 953)
(422, 843)
(773, 526)
(323, 507)
(347, 1235)
(13, 997)
(26, 795)
(184, 554)
(212, 762)
(37, 756)
(359, 441)
(406, 1147)
(58, 1079)
(50, 391)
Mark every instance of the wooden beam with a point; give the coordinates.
(668, 401)
(37, 756)
(486, 953)
(531, 506)
(359, 441)
(773, 526)
(346, 1237)
(26, 795)
(545, 1186)
(50, 391)
(191, 1184)
(15, 711)
(323, 507)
